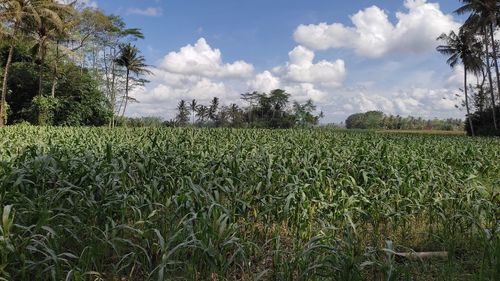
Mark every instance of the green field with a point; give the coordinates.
(222, 204)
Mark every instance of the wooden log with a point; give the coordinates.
(422, 255)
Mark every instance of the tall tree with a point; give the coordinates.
(192, 107)
(15, 14)
(464, 49)
(133, 62)
(49, 28)
(483, 18)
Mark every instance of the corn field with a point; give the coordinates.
(225, 204)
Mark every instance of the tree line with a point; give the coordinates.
(64, 64)
(261, 110)
(377, 120)
(475, 48)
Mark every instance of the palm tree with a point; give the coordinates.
(212, 110)
(16, 13)
(69, 21)
(49, 27)
(132, 61)
(192, 106)
(483, 19)
(462, 48)
(201, 113)
(182, 117)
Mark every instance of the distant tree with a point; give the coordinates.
(373, 119)
(213, 109)
(182, 117)
(303, 113)
(202, 113)
(235, 114)
(192, 107)
(252, 100)
(356, 121)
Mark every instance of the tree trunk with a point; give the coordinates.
(469, 117)
(40, 79)
(495, 60)
(126, 93)
(4, 86)
(490, 79)
(113, 87)
(54, 77)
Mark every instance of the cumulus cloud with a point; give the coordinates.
(193, 72)
(198, 71)
(373, 35)
(419, 102)
(302, 69)
(301, 76)
(202, 60)
(264, 82)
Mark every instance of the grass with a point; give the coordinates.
(223, 204)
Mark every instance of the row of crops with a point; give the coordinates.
(222, 204)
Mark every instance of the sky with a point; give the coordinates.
(348, 56)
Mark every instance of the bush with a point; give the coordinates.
(483, 123)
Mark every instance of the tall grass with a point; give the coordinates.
(186, 204)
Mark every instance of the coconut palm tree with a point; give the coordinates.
(202, 113)
(192, 107)
(464, 49)
(213, 108)
(483, 18)
(70, 20)
(182, 117)
(133, 62)
(14, 14)
(50, 27)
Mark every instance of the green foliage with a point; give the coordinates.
(78, 100)
(376, 120)
(44, 109)
(481, 121)
(82, 103)
(264, 110)
(369, 120)
(228, 204)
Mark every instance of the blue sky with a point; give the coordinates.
(348, 56)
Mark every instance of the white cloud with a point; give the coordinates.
(373, 35)
(148, 12)
(200, 59)
(194, 72)
(86, 3)
(418, 102)
(198, 71)
(301, 76)
(264, 82)
(302, 69)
